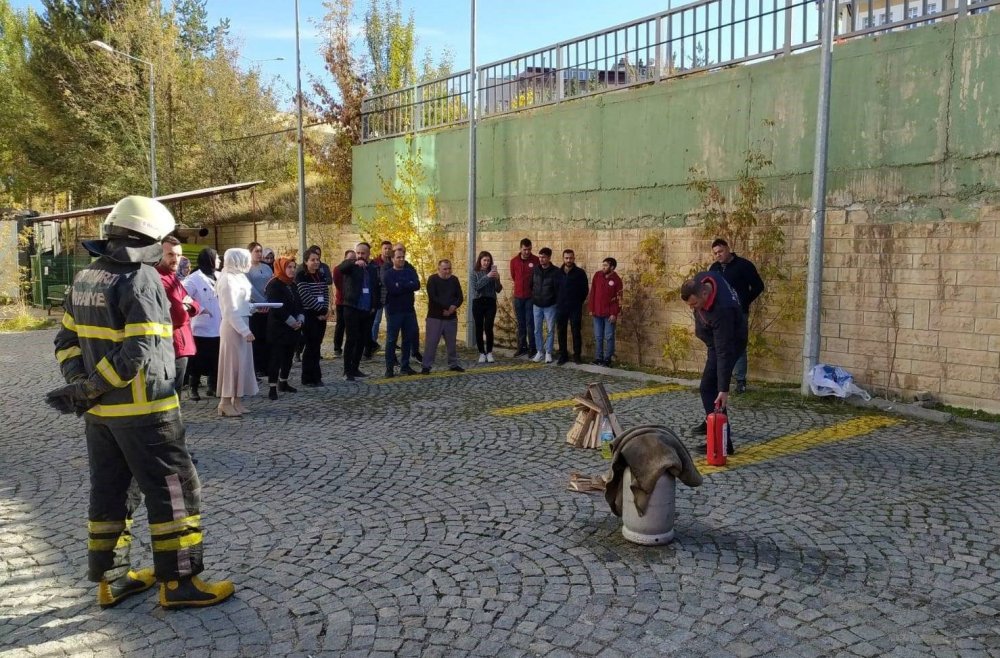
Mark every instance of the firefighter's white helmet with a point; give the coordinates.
(139, 215)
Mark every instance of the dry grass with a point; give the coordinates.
(19, 316)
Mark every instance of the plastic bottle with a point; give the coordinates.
(607, 436)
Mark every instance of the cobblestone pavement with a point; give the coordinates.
(401, 518)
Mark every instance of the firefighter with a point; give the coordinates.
(114, 349)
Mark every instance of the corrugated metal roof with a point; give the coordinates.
(166, 199)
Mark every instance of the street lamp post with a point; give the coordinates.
(470, 325)
(152, 108)
(301, 154)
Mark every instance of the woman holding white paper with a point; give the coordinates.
(236, 374)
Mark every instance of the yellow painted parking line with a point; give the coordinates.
(799, 442)
(400, 379)
(561, 404)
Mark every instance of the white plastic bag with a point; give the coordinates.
(834, 380)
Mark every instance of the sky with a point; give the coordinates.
(266, 28)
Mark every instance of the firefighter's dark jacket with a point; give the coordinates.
(721, 325)
(116, 333)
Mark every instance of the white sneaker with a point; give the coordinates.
(490, 359)
(548, 357)
(482, 358)
(538, 357)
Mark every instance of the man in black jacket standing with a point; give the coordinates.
(444, 297)
(720, 324)
(742, 275)
(570, 297)
(362, 296)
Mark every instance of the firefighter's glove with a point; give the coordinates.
(75, 398)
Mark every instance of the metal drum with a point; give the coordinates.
(656, 526)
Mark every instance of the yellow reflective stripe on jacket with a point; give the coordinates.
(134, 408)
(103, 527)
(68, 321)
(108, 372)
(177, 543)
(192, 522)
(149, 329)
(100, 333)
(109, 544)
(68, 353)
(118, 335)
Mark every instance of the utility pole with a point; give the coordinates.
(470, 325)
(814, 285)
(302, 157)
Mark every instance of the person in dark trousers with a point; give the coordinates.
(571, 295)
(326, 275)
(362, 296)
(743, 277)
(338, 286)
(522, 267)
(383, 262)
(485, 288)
(182, 307)
(415, 337)
(205, 326)
(605, 307)
(313, 291)
(720, 324)
(114, 351)
(284, 325)
(399, 283)
(260, 273)
(444, 297)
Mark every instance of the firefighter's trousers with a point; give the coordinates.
(156, 457)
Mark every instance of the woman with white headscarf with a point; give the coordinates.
(236, 374)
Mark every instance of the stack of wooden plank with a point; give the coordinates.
(592, 408)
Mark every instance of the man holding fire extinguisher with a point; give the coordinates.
(720, 324)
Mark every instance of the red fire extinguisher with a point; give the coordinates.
(717, 437)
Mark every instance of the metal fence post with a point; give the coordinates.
(418, 107)
(788, 26)
(560, 81)
(659, 48)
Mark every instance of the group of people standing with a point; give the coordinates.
(554, 296)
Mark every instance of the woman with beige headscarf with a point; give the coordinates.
(236, 374)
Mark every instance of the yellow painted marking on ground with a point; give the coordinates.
(535, 407)
(799, 442)
(402, 379)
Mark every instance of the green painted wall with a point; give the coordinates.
(915, 125)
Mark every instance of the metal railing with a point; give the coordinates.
(701, 36)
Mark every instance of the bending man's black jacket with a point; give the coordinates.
(722, 326)
(742, 275)
(572, 291)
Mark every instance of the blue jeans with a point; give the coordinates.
(406, 322)
(547, 313)
(525, 324)
(604, 329)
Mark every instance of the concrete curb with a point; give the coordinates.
(907, 410)
(615, 372)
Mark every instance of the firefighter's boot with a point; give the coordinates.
(110, 594)
(194, 593)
